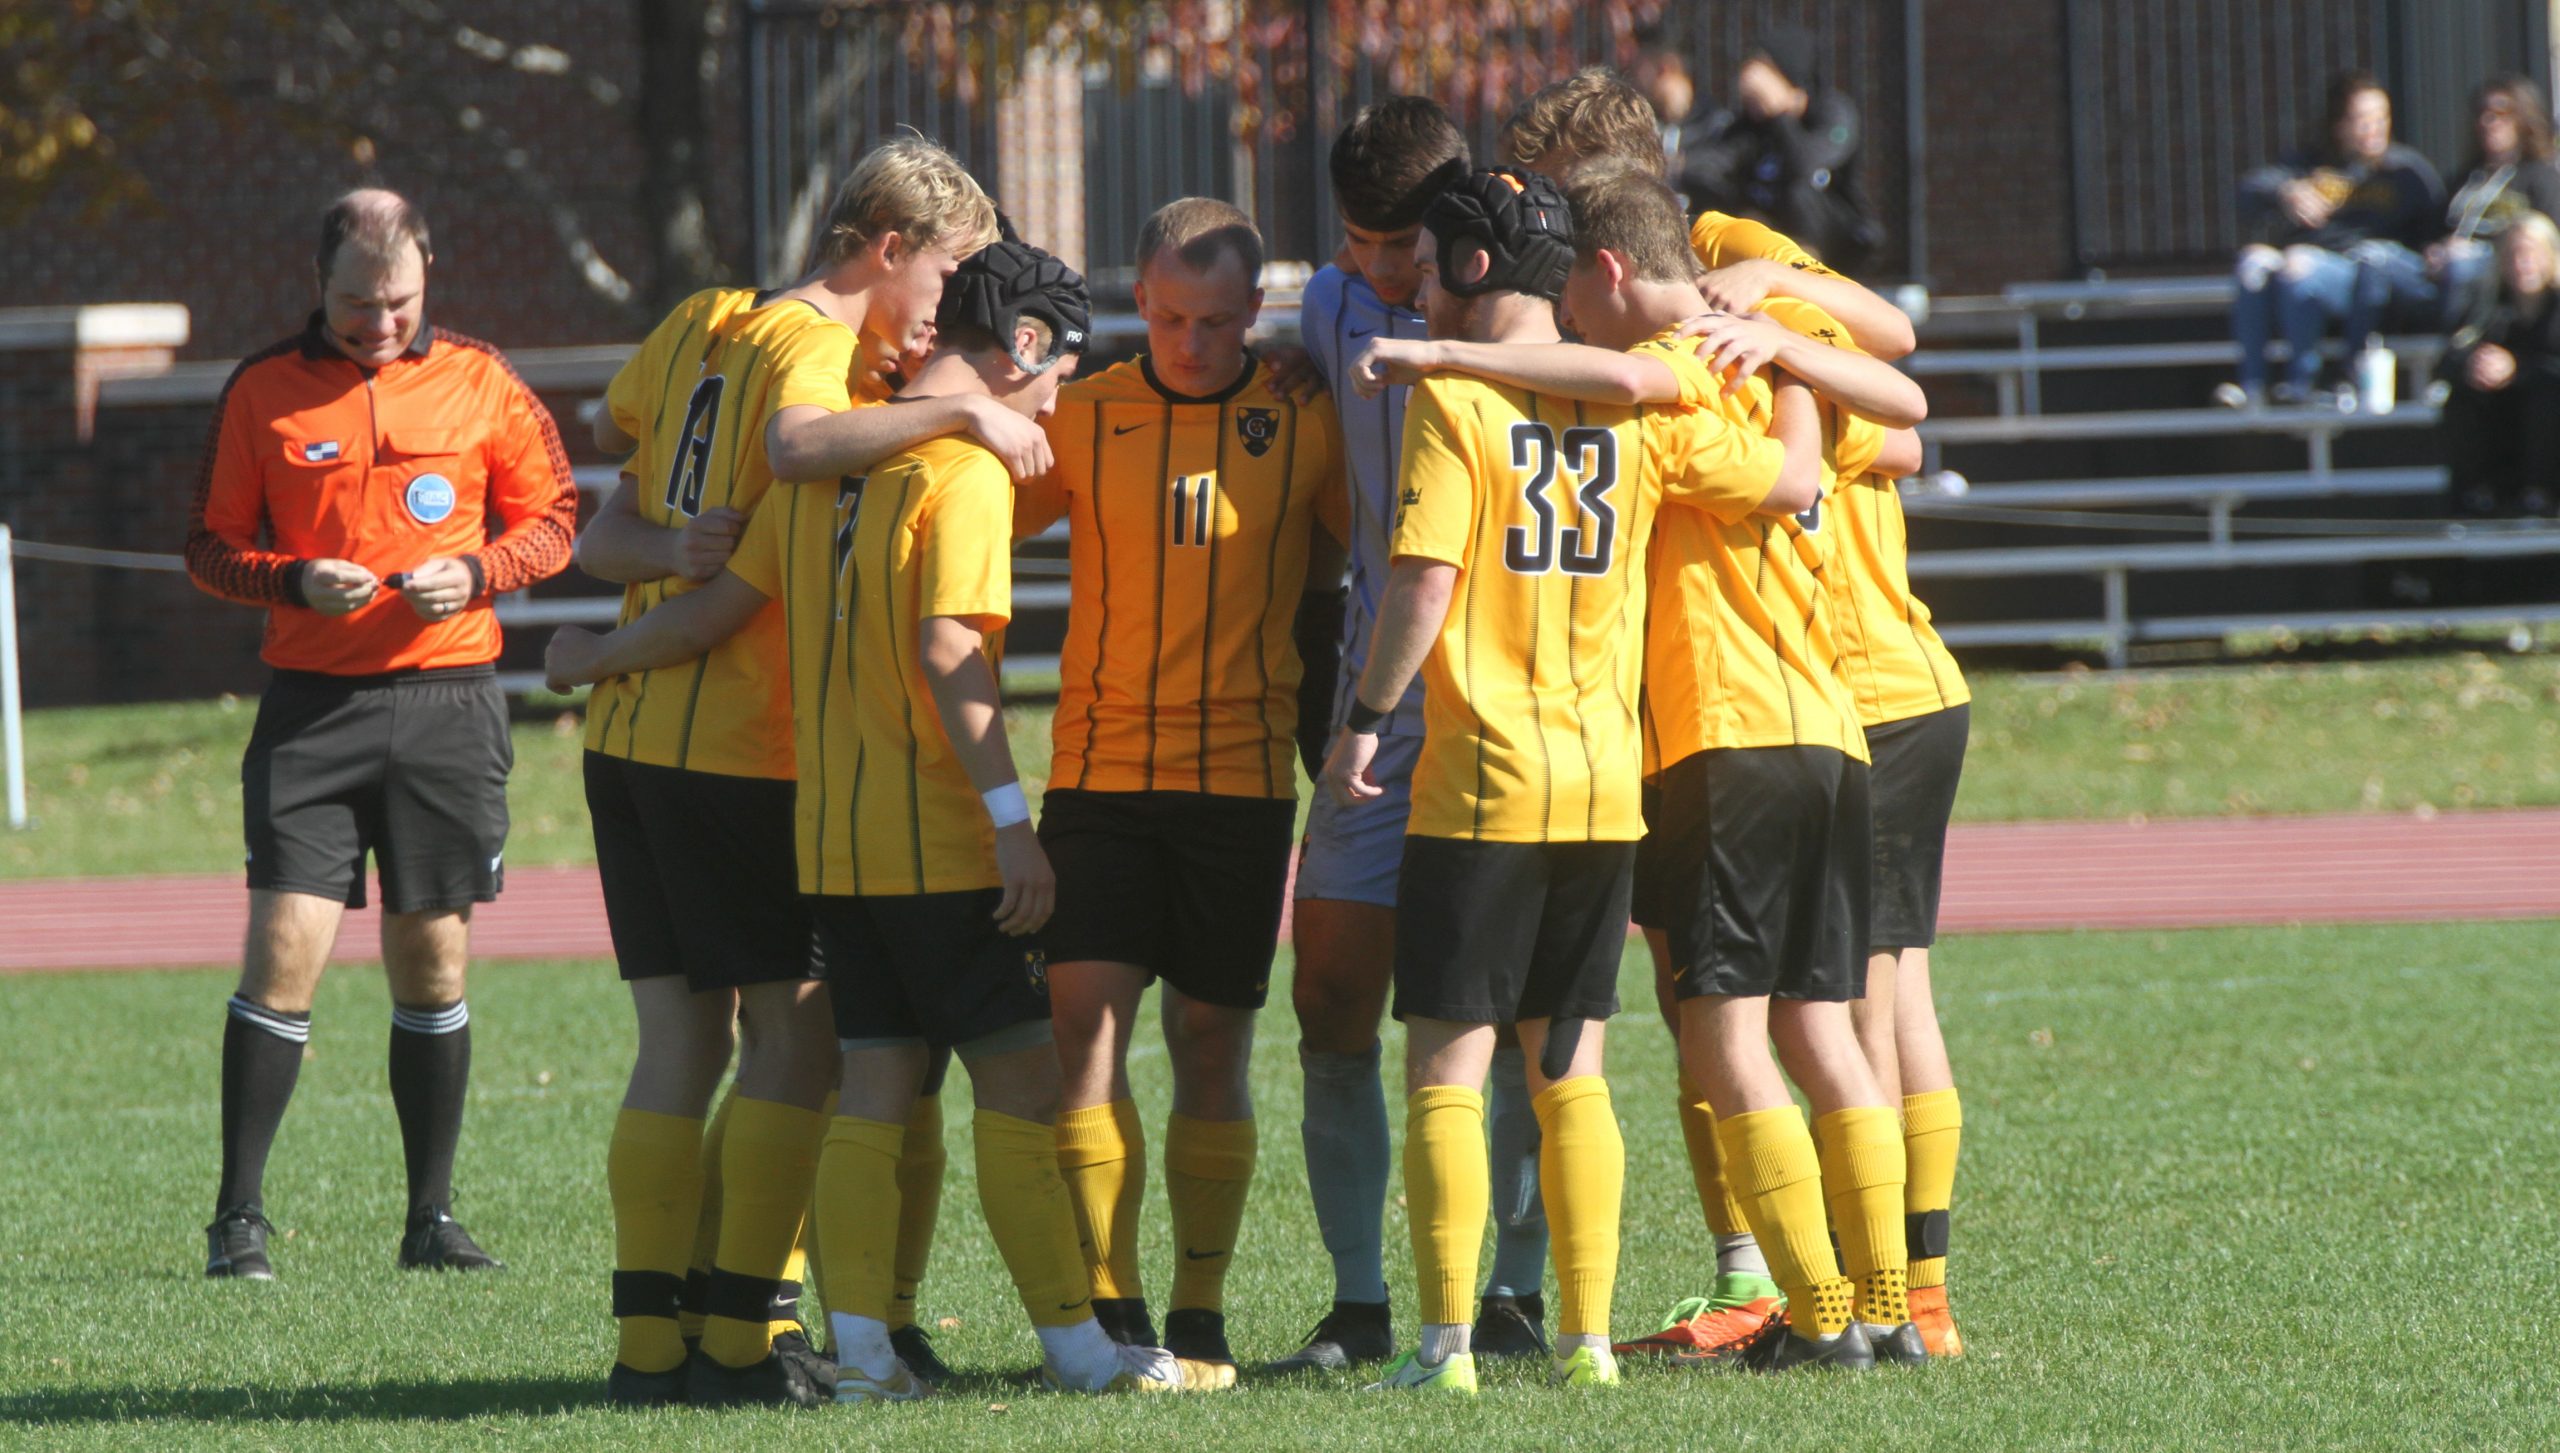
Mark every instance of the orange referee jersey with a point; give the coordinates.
(1547, 507)
(1740, 646)
(698, 396)
(1189, 524)
(441, 452)
(885, 808)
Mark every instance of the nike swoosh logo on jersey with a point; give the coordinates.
(1126, 428)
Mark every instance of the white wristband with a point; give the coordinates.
(1006, 804)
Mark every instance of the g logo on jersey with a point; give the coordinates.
(1257, 428)
(429, 498)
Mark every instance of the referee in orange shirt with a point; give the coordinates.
(374, 484)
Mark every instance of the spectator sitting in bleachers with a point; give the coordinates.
(1786, 154)
(2341, 225)
(2501, 423)
(2511, 174)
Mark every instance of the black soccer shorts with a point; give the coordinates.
(928, 966)
(1918, 762)
(1494, 933)
(1759, 865)
(409, 768)
(1185, 885)
(700, 877)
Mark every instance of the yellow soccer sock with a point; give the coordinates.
(858, 1207)
(1582, 1173)
(1031, 1217)
(768, 1164)
(1706, 1163)
(1208, 1168)
(654, 1171)
(805, 1273)
(920, 1170)
(1861, 1152)
(1771, 1165)
(1932, 1130)
(1102, 1153)
(706, 1235)
(1448, 1192)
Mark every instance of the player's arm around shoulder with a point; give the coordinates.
(1716, 460)
(1558, 370)
(681, 627)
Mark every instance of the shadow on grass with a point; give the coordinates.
(409, 1400)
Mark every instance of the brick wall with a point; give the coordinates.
(1999, 143)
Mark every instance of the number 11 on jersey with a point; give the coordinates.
(1193, 508)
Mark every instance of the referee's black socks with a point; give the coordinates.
(430, 1068)
(261, 1058)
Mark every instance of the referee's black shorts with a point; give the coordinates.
(700, 877)
(1918, 762)
(409, 768)
(1757, 868)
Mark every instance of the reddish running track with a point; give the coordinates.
(2007, 877)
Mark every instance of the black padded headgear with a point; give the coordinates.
(1005, 282)
(1519, 219)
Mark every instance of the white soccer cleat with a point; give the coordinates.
(1132, 1369)
(900, 1386)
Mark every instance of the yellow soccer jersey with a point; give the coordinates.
(1739, 648)
(697, 396)
(1890, 654)
(1721, 239)
(1188, 524)
(1547, 507)
(885, 808)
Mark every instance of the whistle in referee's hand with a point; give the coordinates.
(396, 580)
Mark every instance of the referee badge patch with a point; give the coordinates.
(430, 498)
(1257, 428)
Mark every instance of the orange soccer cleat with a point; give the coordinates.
(1937, 1324)
(1712, 1331)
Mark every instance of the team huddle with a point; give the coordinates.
(1567, 634)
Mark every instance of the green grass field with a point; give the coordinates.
(156, 789)
(2253, 1189)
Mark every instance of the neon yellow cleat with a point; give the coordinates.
(1456, 1375)
(1585, 1367)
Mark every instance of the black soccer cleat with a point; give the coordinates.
(1196, 1334)
(1125, 1321)
(628, 1387)
(1895, 1346)
(793, 1347)
(236, 1245)
(776, 1382)
(1779, 1349)
(914, 1347)
(1510, 1327)
(437, 1242)
(1351, 1334)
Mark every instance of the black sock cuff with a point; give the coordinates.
(739, 1297)
(295, 1028)
(444, 1020)
(647, 1293)
(786, 1302)
(697, 1290)
(1924, 1233)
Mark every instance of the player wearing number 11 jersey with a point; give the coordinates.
(689, 776)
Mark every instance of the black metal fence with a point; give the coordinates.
(2173, 101)
(1090, 115)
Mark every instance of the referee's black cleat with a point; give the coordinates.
(794, 1347)
(236, 1245)
(1351, 1334)
(776, 1382)
(630, 1388)
(1510, 1327)
(437, 1242)
(1196, 1334)
(1779, 1349)
(1895, 1346)
(914, 1347)
(1125, 1321)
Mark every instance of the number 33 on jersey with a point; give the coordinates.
(1547, 508)
(1189, 525)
